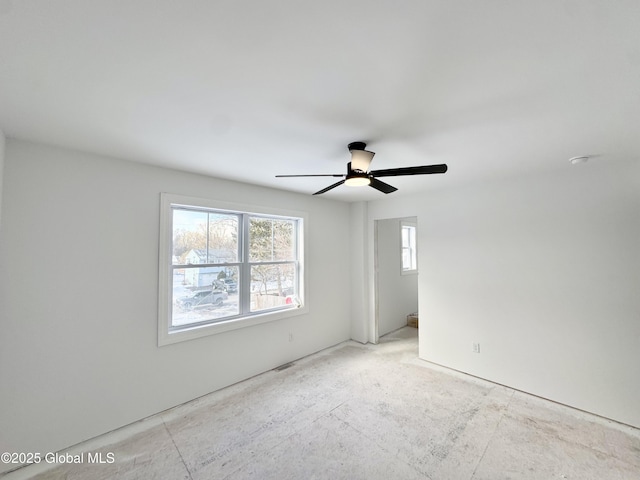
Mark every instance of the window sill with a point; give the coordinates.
(167, 337)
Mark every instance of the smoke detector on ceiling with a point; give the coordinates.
(578, 160)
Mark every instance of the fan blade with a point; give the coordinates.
(396, 172)
(337, 184)
(316, 175)
(383, 187)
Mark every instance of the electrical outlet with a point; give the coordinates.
(476, 347)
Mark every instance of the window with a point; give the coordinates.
(409, 247)
(225, 266)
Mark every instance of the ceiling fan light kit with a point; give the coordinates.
(359, 175)
(357, 179)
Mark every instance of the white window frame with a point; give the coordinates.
(413, 249)
(166, 333)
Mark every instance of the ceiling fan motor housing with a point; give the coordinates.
(357, 146)
(354, 172)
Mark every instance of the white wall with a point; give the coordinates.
(78, 297)
(544, 273)
(359, 254)
(2, 144)
(397, 294)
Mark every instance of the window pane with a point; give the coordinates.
(189, 237)
(409, 247)
(271, 239)
(204, 237)
(412, 237)
(406, 259)
(272, 286)
(223, 238)
(204, 294)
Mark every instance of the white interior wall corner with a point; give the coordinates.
(359, 274)
(2, 148)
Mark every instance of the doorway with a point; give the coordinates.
(396, 286)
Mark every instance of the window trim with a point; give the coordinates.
(167, 335)
(408, 271)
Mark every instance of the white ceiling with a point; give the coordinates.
(246, 89)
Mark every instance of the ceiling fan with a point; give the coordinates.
(358, 173)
